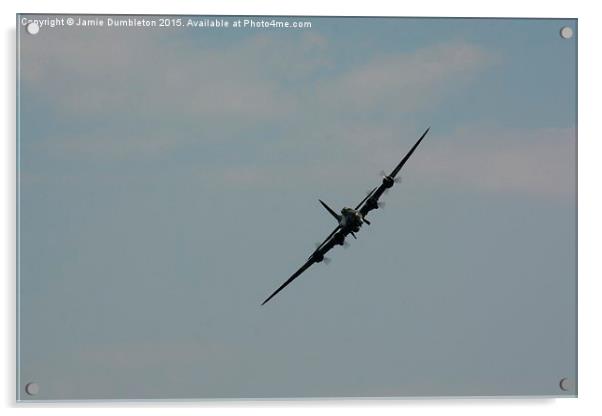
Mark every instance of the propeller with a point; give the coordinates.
(381, 204)
(397, 179)
(325, 260)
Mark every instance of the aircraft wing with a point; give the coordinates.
(328, 238)
(322, 249)
(365, 199)
(406, 157)
(376, 194)
(290, 279)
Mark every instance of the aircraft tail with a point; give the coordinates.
(330, 210)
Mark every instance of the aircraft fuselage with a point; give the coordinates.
(351, 219)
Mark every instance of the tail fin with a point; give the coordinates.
(330, 210)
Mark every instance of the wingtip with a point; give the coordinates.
(268, 299)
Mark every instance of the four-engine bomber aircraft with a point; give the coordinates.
(350, 219)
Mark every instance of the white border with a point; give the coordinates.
(590, 203)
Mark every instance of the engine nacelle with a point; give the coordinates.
(318, 257)
(371, 203)
(339, 239)
(388, 181)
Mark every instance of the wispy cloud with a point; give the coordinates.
(142, 95)
(115, 81)
(537, 161)
(145, 77)
(405, 82)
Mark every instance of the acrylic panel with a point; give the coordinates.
(173, 172)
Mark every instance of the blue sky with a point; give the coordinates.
(169, 182)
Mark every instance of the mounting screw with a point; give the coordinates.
(565, 384)
(566, 32)
(32, 389)
(33, 28)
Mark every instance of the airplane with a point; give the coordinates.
(350, 220)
